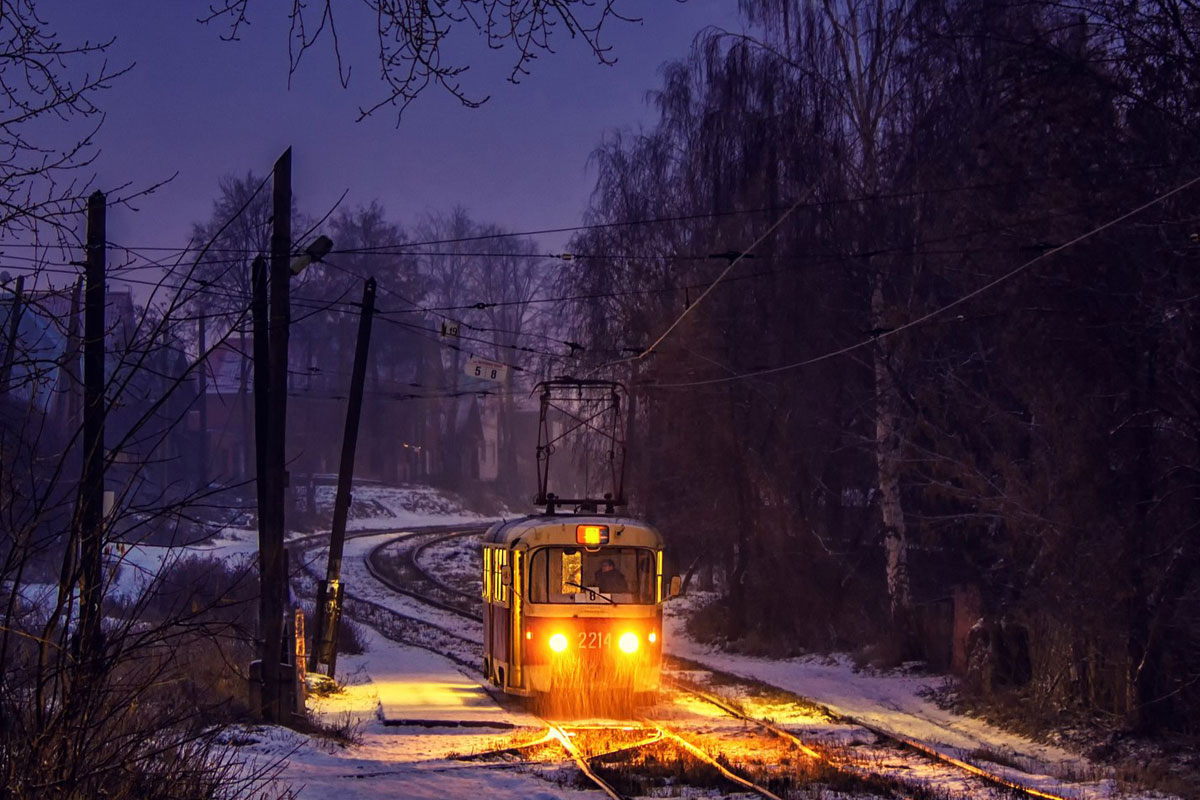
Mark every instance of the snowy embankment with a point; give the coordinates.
(373, 508)
(897, 702)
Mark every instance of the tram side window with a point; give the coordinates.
(494, 569)
(487, 575)
(504, 588)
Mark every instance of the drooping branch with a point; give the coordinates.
(412, 38)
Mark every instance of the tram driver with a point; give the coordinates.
(609, 579)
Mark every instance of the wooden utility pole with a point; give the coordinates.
(14, 327)
(90, 510)
(165, 454)
(258, 313)
(202, 390)
(329, 591)
(68, 399)
(262, 402)
(273, 577)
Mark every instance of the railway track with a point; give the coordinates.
(396, 564)
(759, 756)
(393, 624)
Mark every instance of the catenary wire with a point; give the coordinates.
(943, 308)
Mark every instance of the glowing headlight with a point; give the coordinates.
(558, 642)
(628, 642)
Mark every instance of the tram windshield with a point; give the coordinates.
(573, 575)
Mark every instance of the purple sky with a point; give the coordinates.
(205, 108)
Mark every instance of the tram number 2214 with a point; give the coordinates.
(589, 640)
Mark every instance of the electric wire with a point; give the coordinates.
(208, 290)
(943, 308)
(884, 196)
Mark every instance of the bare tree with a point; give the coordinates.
(413, 51)
(485, 283)
(128, 714)
(46, 85)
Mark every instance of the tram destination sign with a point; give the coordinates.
(486, 370)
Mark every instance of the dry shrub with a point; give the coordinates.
(145, 717)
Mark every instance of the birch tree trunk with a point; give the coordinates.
(866, 37)
(888, 453)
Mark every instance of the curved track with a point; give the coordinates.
(393, 624)
(403, 573)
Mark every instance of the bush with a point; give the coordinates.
(145, 717)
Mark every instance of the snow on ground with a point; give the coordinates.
(133, 567)
(896, 703)
(375, 507)
(416, 762)
(456, 563)
(359, 583)
(401, 761)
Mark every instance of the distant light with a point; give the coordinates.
(558, 642)
(528, 634)
(628, 642)
(653, 637)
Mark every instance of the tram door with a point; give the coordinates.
(498, 619)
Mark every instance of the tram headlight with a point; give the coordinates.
(628, 642)
(558, 642)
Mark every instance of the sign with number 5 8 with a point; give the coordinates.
(486, 370)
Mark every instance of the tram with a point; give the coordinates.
(573, 605)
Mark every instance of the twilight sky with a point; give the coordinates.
(204, 107)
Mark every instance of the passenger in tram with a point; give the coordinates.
(609, 579)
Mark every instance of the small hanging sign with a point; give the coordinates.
(486, 370)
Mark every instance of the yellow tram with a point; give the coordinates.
(573, 605)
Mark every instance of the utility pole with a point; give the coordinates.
(164, 413)
(202, 390)
(262, 402)
(258, 313)
(69, 399)
(90, 511)
(330, 590)
(273, 578)
(14, 327)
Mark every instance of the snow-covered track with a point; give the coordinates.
(986, 777)
(593, 766)
(393, 624)
(404, 575)
(582, 763)
(729, 774)
(472, 599)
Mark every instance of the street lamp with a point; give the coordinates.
(317, 250)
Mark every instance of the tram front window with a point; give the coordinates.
(573, 575)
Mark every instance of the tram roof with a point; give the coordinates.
(507, 532)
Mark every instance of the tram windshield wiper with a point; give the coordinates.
(592, 593)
